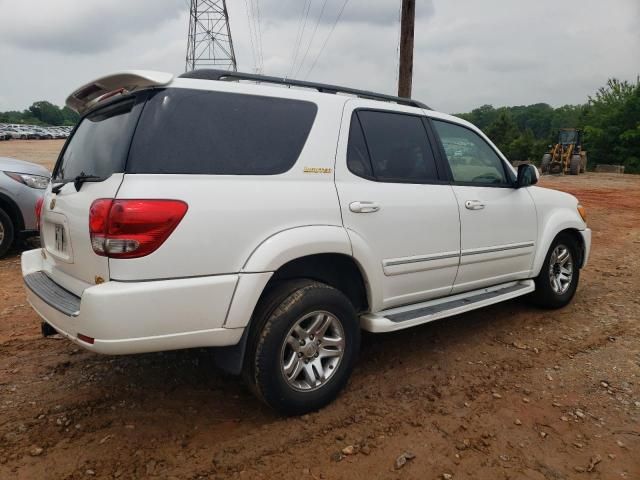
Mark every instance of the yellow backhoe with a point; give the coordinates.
(567, 156)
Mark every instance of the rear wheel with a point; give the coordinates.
(303, 346)
(574, 166)
(583, 162)
(558, 279)
(6, 233)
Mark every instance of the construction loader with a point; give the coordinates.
(567, 156)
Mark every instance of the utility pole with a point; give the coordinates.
(407, 24)
(209, 43)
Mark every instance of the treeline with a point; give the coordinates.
(41, 113)
(610, 120)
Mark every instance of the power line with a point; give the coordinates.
(257, 33)
(299, 40)
(304, 57)
(260, 33)
(253, 46)
(326, 40)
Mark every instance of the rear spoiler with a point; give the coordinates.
(87, 96)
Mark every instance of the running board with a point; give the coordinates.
(419, 313)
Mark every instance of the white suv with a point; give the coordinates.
(275, 219)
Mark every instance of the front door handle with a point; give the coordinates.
(364, 207)
(474, 205)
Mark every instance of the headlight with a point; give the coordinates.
(583, 213)
(33, 181)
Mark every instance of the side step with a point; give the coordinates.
(419, 313)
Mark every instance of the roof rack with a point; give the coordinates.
(213, 74)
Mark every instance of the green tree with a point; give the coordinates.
(70, 117)
(47, 113)
(503, 130)
(612, 125)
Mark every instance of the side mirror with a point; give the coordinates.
(527, 175)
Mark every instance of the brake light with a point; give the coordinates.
(132, 228)
(38, 211)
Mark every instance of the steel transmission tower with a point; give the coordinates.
(209, 42)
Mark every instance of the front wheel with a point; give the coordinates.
(558, 279)
(546, 160)
(574, 165)
(6, 233)
(304, 343)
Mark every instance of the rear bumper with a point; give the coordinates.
(136, 317)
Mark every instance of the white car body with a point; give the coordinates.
(418, 247)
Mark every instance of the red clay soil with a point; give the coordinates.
(509, 392)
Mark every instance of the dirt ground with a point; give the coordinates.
(509, 392)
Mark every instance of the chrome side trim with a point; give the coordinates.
(392, 262)
(514, 246)
(422, 258)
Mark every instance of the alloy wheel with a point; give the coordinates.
(312, 351)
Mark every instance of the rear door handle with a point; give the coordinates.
(364, 207)
(474, 205)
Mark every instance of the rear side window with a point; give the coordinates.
(100, 143)
(398, 148)
(358, 159)
(187, 131)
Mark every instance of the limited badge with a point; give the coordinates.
(52, 204)
(317, 170)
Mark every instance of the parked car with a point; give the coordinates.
(275, 223)
(22, 184)
(43, 133)
(13, 133)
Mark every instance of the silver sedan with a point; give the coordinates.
(21, 185)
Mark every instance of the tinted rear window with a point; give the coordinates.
(398, 147)
(100, 143)
(202, 132)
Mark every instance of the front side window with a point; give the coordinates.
(470, 157)
(391, 147)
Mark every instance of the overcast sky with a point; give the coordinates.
(467, 52)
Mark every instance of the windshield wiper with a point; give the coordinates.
(58, 186)
(77, 182)
(82, 178)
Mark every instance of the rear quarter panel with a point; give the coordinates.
(230, 216)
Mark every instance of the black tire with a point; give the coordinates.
(7, 233)
(545, 295)
(583, 163)
(556, 168)
(546, 160)
(277, 313)
(574, 166)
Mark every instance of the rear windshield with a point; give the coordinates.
(100, 143)
(188, 131)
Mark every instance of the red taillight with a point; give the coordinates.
(132, 228)
(38, 210)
